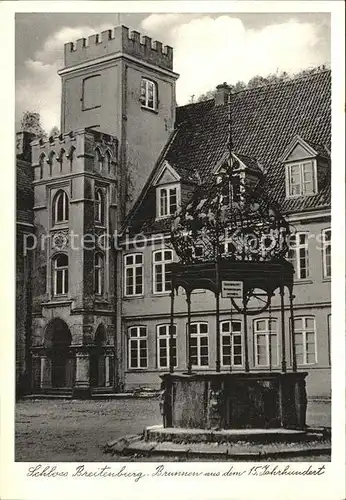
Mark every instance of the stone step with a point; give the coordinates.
(177, 435)
(209, 451)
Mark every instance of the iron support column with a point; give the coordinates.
(294, 358)
(246, 347)
(171, 333)
(188, 332)
(283, 338)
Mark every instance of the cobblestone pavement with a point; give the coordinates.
(76, 431)
(72, 430)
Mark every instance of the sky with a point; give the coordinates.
(208, 49)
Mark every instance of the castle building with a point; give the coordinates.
(104, 192)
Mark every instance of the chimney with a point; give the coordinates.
(222, 93)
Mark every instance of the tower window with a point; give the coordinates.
(99, 206)
(60, 274)
(91, 92)
(98, 160)
(149, 94)
(99, 274)
(60, 207)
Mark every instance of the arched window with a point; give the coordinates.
(98, 160)
(99, 274)
(60, 207)
(51, 161)
(99, 206)
(60, 158)
(41, 163)
(107, 162)
(70, 156)
(60, 274)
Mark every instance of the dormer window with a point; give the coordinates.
(307, 167)
(149, 94)
(168, 198)
(301, 179)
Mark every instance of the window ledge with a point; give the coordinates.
(296, 196)
(303, 282)
(137, 370)
(125, 297)
(163, 217)
(152, 110)
(326, 280)
(56, 301)
(101, 300)
(92, 107)
(60, 225)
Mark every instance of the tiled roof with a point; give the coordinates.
(250, 162)
(320, 149)
(264, 121)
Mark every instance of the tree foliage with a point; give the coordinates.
(259, 81)
(31, 122)
(54, 132)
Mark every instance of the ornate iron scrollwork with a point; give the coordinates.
(213, 225)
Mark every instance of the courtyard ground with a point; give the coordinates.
(76, 431)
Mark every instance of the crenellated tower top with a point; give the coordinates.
(79, 151)
(118, 40)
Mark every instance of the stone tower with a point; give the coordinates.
(124, 85)
(118, 105)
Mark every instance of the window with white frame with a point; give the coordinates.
(298, 254)
(163, 346)
(162, 277)
(199, 344)
(138, 347)
(60, 207)
(60, 274)
(99, 274)
(266, 342)
(149, 94)
(99, 206)
(231, 343)
(327, 252)
(305, 341)
(133, 273)
(301, 179)
(168, 198)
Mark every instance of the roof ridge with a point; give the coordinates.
(285, 81)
